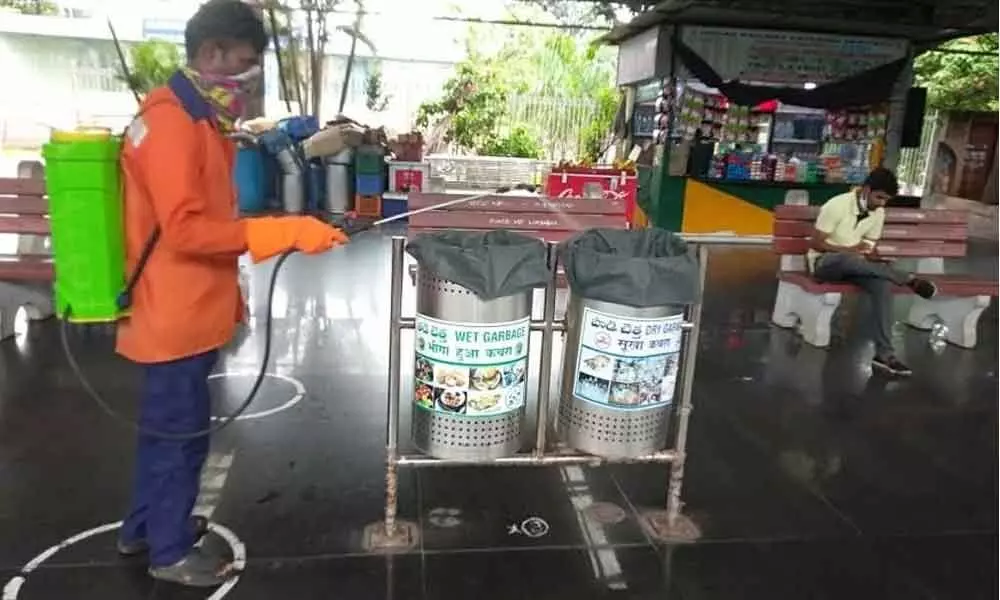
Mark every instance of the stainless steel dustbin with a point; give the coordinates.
(470, 371)
(619, 376)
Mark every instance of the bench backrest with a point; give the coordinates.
(23, 206)
(908, 232)
(549, 219)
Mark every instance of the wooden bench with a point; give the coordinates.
(548, 219)
(26, 275)
(930, 235)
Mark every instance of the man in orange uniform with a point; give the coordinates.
(186, 303)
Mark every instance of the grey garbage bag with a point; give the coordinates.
(640, 268)
(492, 264)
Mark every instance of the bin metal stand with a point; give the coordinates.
(671, 524)
(545, 368)
(389, 535)
(393, 535)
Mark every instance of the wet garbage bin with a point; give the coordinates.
(624, 324)
(474, 293)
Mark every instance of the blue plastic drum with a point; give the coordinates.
(248, 176)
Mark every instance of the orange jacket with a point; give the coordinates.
(177, 171)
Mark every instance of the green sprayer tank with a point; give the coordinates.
(82, 179)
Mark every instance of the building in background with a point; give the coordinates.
(65, 66)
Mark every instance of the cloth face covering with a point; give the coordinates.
(226, 94)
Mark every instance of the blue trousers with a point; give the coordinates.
(175, 399)
(876, 280)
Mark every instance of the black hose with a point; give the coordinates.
(351, 229)
(224, 421)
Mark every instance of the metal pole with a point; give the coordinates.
(532, 460)
(545, 366)
(392, 420)
(690, 358)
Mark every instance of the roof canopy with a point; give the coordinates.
(924, 22)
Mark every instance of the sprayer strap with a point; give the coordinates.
(147, 251)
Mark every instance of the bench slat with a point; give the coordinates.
(788, 245)
(948, 285)
(519, 221)
(528, 204)
(21, 186)
(895, 231)
(24, 205)
(545, 236)
(26, 268)
(35, 224)
(794, 212)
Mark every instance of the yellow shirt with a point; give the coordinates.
(839, 220)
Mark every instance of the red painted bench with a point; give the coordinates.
(26, 275)
(930, 235)
(549, 219)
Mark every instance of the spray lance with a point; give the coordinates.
(350, 229)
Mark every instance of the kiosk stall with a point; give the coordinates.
(740, 117)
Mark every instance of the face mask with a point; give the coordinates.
(227, 93)
(242, 83)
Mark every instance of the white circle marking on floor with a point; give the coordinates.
(300, 392)
(13, 587)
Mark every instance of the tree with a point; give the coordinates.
(549, 74)
(31, 7)
(586, 12)
(375, 98)
(471, 105)
(958, 81)
(304, 55)
(151, 63)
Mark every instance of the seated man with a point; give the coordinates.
(844, 250)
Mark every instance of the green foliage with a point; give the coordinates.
(31, 7)
(597, 135)
(561, 68)
(151, 64)
(472, 104)
(375, 99)
(961, 81)
(518, 144)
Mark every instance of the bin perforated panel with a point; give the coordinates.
(467, 437)
(604, 430)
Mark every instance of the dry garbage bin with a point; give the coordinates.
(474, 294)
(624, 326)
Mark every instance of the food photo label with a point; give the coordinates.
(628, 363)
(470, 369)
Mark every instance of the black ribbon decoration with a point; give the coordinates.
(872, 86)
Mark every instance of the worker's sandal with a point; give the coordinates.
(136, 547)
(197, 569)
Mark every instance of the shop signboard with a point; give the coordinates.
(166, 30)
(470, 369)
(628, 363)
(788, 57)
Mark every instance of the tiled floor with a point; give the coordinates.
(808, 477)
